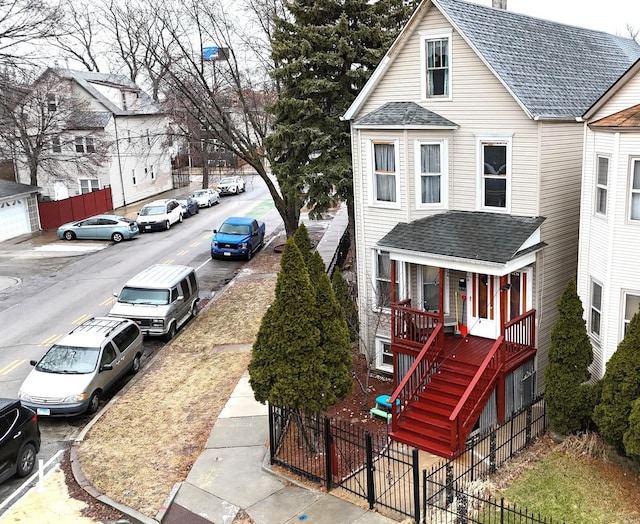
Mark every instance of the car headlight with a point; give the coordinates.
(23, 396)
(214, 244)
(72, 399)
(244, 245)
(157, 322)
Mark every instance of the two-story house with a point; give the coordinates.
(608, 279)
(109, 133)
(467, 147)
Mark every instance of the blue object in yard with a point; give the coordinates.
(383, 401)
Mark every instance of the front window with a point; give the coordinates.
(384, 355)
(234, 229)
(596, 309)
(152, 210)
(635, 191)
(52, 102)
(384, 161)
(69, 360)
(431, 288)
(631, 307)
(85, 144)
(383, 280)
(495, 174)
(56, 145)
(431, 172)
(601, 185)
(437, 52)
(87, 185)
(136, 295)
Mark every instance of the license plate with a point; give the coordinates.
(147, 227)
(43, 411)
(226, 254)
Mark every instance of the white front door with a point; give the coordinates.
(483, 315)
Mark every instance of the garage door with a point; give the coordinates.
(14, 218)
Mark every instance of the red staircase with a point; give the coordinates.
(426, 422)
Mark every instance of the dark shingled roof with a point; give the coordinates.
(555, 70)
(404, 114)
(471, 235)
(9, 188)
(627, 118)
(88, 120)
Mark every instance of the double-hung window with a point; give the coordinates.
(384, 171)
(383, 279)
(631, 307)
(634, 206)
(601, 185)
(52, 102)
(495, 173)
(431, 167)
(384, 355)
(87, 185)
(437, 62)
(85, 144)
(596, 309)
(55, 144)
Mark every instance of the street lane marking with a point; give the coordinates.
(196, 244)
(207, 236)
(169, 261)
(81, 318)
(108, 301)
(49, 340)
(182, 253)
(10, 367)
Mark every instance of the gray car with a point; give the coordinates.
(100, 227)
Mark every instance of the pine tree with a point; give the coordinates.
(348, 305)
(302, 240)
(620, 387)
(570, 355)
(631, 437)
(334, 332)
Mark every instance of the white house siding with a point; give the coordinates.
(560, 175)
(627, 96)
(609, 245)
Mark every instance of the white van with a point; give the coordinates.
(159, 299)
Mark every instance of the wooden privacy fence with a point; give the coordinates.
(57, 212)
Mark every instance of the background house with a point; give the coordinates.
(18, 209)
(467, 159)
(608, 278)
(108, 132)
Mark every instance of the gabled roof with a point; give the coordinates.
(554, 71)
(474, 236)
(405, 115)
(12, 189)
(88, 79)
(627, 119)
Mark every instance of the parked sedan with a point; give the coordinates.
(189, 207)
(206, 197)
(19, 439)
(100, 227)
(231, 185)
(159, 215)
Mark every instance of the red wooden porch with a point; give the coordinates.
(439, 400)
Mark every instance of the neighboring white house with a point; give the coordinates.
(120, 125)
(18, 209)
(608, 267)
(467, 147)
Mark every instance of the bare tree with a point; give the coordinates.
(632, 32)
(46, 129)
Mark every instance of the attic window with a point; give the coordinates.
(124, 99)
(437, 64)
(52, 102)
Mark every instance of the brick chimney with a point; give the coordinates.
(499, 4)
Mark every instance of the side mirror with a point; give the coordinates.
(138, 213)
(115, 294)
(106, 367)
(215, 231)
(33, 362)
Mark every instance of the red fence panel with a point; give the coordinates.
(58, 212)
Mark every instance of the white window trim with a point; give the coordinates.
(592, 282)
(84, 141)
(444, 174)
(373, 199)
(89, 179)
(53, 145)
(434, 35)
(599, 186)
(483, 139)
(420, 305)
(374, 283)
(623, 314)
(379, 343)
(632, 191)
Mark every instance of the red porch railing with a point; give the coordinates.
(475, 396)
(519, 336)
(412, 327)
(416, 377)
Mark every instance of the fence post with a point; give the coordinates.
(371, 491)
(449, 481)
(272, 434)
(511, 440)
(416, 485)
(327, 453)
(492, 452)
(528, 432)
(501, 510)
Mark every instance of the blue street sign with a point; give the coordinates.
(210, 53)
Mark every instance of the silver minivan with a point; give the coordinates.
(81, 367)
(159, 299)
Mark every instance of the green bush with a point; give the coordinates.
(348, 305)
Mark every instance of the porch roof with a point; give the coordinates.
(404, 115)
(460, 239)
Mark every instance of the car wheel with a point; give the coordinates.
(236, 190)
(208, 203)
(194, 310)
(180, 219)
(167, 226)
(94, 403)
(197, 210)
(171, 333)
(135, 365)
(117, 237)
(249, 254)
(69, 235)
(26, 460)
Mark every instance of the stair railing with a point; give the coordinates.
(519, 335)
(466, 411)
(424, 365)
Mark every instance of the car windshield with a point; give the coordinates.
(200, 194)
(234, 229)
(183, 202)
(152, 210)
(69, 359)
(227, 181)
(137, 295)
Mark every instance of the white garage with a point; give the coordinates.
(14, 209)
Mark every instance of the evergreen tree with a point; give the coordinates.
(302, 240)
(620, 387)
(334, 332)
(348, 305)
(631, 437)
(287, 368)
(570, 355)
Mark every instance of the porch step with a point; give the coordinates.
(430, 446)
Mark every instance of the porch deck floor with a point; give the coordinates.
(469, 349)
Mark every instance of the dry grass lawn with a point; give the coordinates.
(151, 435)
